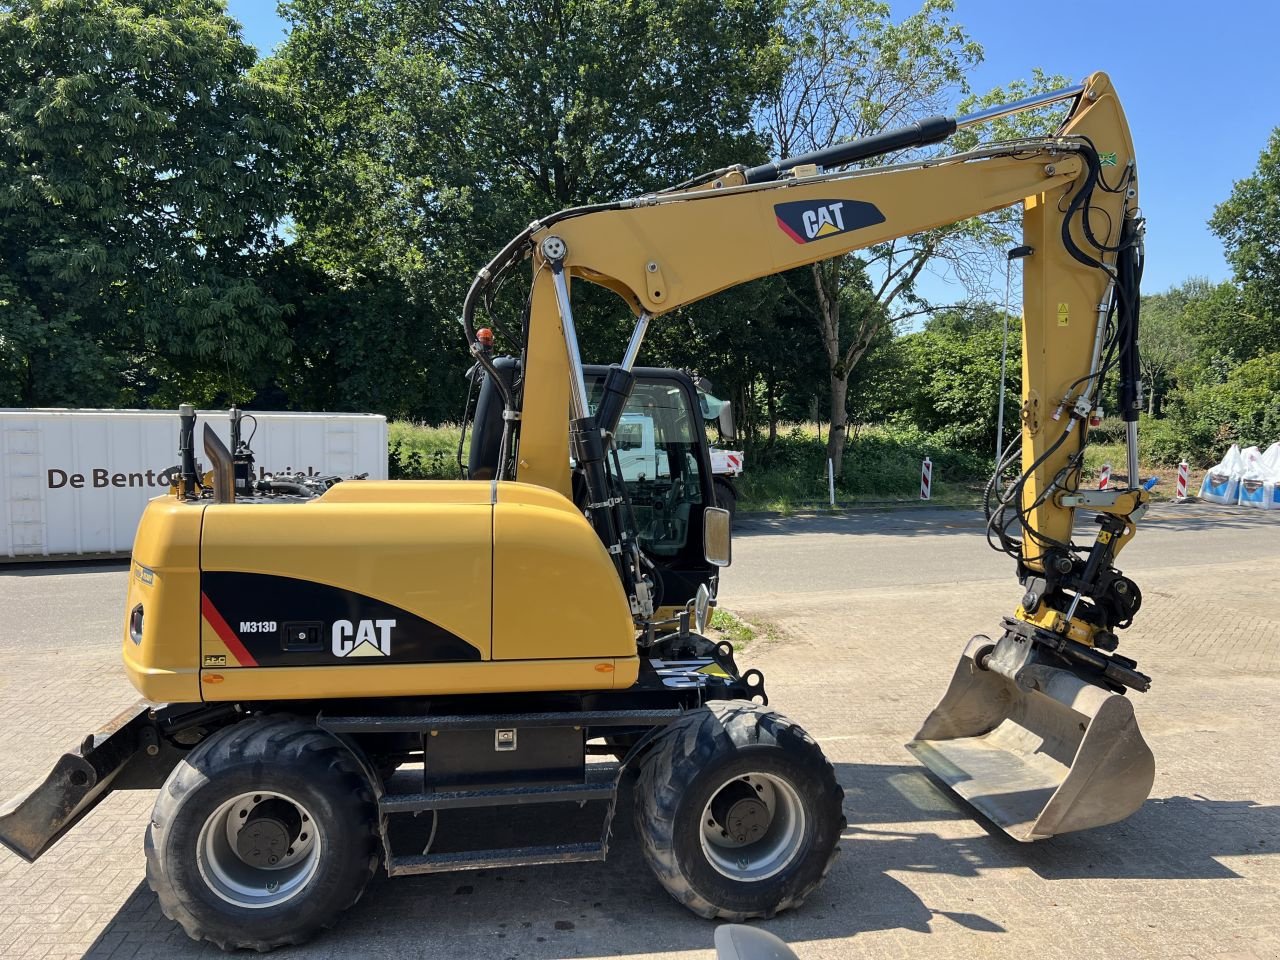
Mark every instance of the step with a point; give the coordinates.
(575, 718)
(597, 786)
(485, 859)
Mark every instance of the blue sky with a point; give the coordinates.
(1198, 81)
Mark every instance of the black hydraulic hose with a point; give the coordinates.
(1080, 199)
(473, 376)
(488, 274)
(1128, 278)
(506, 256)
(927, 131)
(510, 253)
(287, 486)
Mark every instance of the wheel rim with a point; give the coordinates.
(752, 827)
(258, 849)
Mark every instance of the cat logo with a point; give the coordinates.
(366, 638)
(807, 220)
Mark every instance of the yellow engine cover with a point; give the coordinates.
(376, 589)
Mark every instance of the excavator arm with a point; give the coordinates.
(1016, 757)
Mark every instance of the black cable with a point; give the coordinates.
(1119, 320)
(473, 376)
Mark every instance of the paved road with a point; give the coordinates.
(874, 610)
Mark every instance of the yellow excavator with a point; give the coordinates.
(347, 674)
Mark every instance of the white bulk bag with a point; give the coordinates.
(1221, 484)
(1253, 483)
(1271, 479)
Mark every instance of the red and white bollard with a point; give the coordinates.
(1104, 479)
(1184, 473)
(926, 479)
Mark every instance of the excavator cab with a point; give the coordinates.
(662, 463)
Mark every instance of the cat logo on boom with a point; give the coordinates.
(807, 220)
(364, 638)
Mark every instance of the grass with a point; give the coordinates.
(881, 465)
(728, 626)
(1096, 454)
(419, 452)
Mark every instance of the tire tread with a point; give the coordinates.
(686, 748)
(278, 738)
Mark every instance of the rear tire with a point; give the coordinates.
(737, 766)
(726, 498)
(314, 846)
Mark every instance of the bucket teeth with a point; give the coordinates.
(1046, 752)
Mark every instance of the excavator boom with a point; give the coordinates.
(1034, 729)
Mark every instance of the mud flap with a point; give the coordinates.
(32, 822)
(1043, 753)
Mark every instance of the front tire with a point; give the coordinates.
(263, 835)
(738, 811)
(726, 498)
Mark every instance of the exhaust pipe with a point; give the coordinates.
(224, 468)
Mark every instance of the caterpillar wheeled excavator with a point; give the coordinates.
(384, 672)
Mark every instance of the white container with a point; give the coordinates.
(75, 482)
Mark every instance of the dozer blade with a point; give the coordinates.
(1043, 753)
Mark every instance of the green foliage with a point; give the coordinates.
(882, 462)
(140, 183)
(419, 452)
(436, 131)
(1167, 339)
(948, 377)
(1111, 430)
(1209, 417)
(1215, 349)
(1163, 442)
(853, 70)
(1248, 223)
(733, 628)
(1225, 330)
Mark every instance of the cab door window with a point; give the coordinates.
(657, 447)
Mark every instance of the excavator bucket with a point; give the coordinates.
(1035, 747)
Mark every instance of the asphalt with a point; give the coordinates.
(871, 612)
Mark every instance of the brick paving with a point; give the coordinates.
(873, 616)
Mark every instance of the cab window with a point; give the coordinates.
(657, 447)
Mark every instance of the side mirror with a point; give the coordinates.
(716, 542)
(726, 421)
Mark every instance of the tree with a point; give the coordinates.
(1248, 224)
(1209, 416)
(140, 184)
(853, 71)
(436, 131)
(949, 376)
(1166, 337)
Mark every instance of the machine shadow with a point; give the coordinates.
(44, 568)
(898, 817)
(891, 521)
(911, 521)
(1180, 838)
(541, 913)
